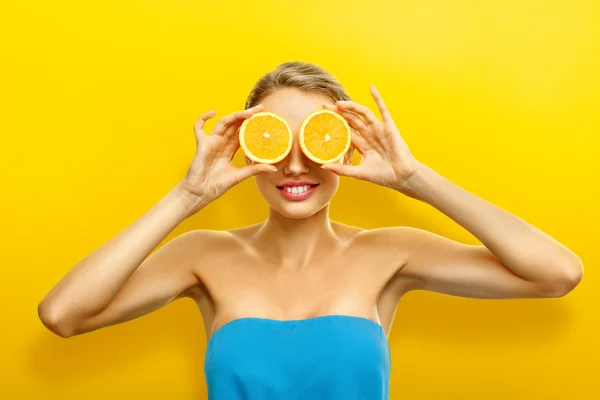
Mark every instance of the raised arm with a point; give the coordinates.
(515, 259)
(120, 281)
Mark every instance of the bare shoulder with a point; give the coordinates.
(387, 248)
(204, 249)
(390, 238)
(207, 245)
(385, 240)
(394, 245)
(406, 242)
(386, 243)
(347, 232)
(243, 233)
(212, 239)
(388, 252)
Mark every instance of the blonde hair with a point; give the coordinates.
(304, 76)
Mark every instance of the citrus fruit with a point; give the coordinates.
(266, 137)
(324, 136)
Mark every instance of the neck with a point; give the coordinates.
(296, 244)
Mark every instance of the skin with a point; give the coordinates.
(299, 263)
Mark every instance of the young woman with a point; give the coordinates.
(300, 306)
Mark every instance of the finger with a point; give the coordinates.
(232, 145)
(359, 109)
(385, 114)
(359, 140)
(199, 125)
(233, 129)
(354, 171)
(354, 120)
(251, 170)
(223, 124)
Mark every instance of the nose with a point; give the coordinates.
(296, 163)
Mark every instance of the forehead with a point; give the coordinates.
(294, 104)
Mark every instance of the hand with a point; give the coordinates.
(385, 157)
(211, 172)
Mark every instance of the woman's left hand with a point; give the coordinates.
(385, 157)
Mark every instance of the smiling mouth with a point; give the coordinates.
(297, 189)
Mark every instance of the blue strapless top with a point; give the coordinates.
(330, 357)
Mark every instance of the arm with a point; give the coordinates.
(118, 281)
(516, 260)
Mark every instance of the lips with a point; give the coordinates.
(297, 192)
(297, 183)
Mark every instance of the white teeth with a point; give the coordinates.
(297, 189)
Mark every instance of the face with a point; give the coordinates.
(294, 105)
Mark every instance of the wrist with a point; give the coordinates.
(415, 184)
(191, 202)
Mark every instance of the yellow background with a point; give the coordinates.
(98, 103)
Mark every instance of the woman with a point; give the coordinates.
(300, 306)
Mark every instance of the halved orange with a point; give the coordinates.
(266, 137)
(324, 136)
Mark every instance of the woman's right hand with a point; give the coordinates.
(212, 172)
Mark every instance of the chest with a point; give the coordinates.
(349, 283)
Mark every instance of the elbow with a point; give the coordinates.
(53, 321)
(566, 281)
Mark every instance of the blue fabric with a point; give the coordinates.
(330, 357)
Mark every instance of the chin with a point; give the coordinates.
(297, 210)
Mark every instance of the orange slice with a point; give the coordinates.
(324, 136)
(266, 137)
